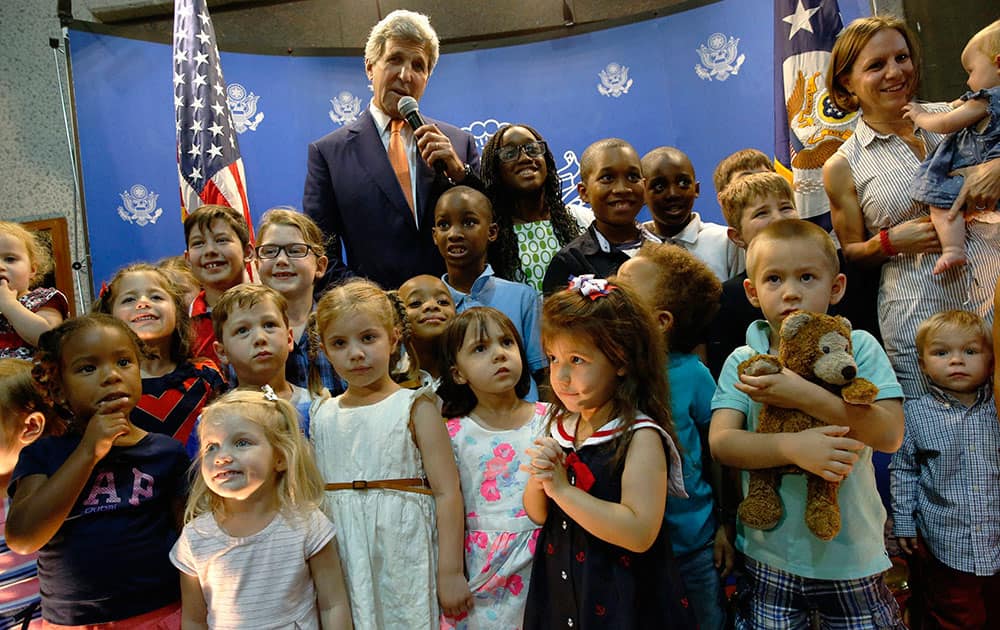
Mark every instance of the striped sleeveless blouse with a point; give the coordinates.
(882, 166)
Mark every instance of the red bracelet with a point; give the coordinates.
(887, 248)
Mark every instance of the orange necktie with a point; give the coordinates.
(397, 157)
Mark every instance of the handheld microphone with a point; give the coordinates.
(410, 111)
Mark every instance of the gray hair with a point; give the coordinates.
(405, 25)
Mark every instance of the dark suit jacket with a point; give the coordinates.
(352, 193)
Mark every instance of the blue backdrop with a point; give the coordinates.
(700, 80)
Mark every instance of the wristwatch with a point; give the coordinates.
(466, 172)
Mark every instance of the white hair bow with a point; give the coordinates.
(269, 393)
(590, 286)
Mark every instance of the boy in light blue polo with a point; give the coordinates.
(463, 229)
(790, 573)
(682, 293)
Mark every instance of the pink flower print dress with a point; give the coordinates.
(499, 536)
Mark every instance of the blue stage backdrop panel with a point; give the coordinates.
(645, 82)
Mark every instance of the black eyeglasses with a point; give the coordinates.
(292, 250)
(510, 152)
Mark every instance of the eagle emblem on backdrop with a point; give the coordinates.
(819, 125)
(483, 130)
(720, 58)
(139, 206)
(614, 80)
(344, 108)
(243, 106)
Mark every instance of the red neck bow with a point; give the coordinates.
(582, 478)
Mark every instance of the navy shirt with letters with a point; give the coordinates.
(109, 559)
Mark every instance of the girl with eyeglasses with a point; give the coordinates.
(290, 251)
(522, 182)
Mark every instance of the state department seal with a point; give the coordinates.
(243, 106)
(614, 80)
(140, 206)
(344, 108)
(719, 58)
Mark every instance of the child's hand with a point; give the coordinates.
(908, 544)
(548, 465)
(107, 425)
(7, 295)
(785, 389)
(914, 111)
(824, 451)
(723, 551)
(454, 594)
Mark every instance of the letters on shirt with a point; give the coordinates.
(105, 494)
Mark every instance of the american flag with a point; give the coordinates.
(209, 164)
(808, 127)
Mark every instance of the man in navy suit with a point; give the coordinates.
(353, 191)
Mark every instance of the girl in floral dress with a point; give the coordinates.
(483, 386)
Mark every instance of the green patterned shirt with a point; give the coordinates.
(536, 245)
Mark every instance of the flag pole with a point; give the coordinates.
(82, 263)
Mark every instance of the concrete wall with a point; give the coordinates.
(37, 176)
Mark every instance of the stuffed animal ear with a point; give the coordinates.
(793, 324)
(846, 322)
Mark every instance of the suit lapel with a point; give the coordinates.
(372, 159)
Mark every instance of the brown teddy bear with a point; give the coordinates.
(818, 348)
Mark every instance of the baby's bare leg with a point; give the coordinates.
(952, 237)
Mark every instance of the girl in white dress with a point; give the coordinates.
(256, 551)
(392, 486)
(483, 383)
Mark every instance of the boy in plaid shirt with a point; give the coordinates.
(946, 475)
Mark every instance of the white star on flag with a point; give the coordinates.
(800, 19)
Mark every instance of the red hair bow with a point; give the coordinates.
(582, 477)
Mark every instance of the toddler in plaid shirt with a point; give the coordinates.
(946, 476)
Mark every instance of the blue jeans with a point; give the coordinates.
(704, 588)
